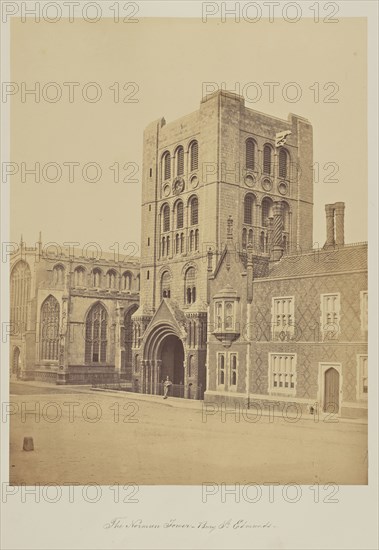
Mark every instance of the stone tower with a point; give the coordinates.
(219, 161)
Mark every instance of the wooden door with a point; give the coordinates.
(332, 391)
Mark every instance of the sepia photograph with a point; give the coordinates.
(186, 304)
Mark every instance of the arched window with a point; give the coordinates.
(111, 279)
(138, 281)
(20, 295)
(166, 165)
(250, 239)
(262, 241)
(244, 238)
(192, 240)
(194, 211)
(126, 281)
(96, 277)
(58, 274)
(250, 154)
(165, 285)
(166, 218)
(194, 156)
(128, 335)
(248, 209)
(96, 335)
(266, 211)
(190, 285)
(49, 329)
(79, 276)
(267, 163)
(196, 239)
(179, 215)
(163, 246)
(177, 244)
(181, 243)
(180, 161)
(283, 163)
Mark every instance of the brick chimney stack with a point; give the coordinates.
(339, 210)
(335, 232)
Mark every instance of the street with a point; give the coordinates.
(81, 436)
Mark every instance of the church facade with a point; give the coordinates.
(70, 314)
(236, 306)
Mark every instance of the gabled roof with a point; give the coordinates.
(169, 311)
(347, 258)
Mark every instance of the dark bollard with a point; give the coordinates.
(28, 444)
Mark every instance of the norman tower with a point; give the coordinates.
(224, 161)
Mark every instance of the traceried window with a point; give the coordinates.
(96, 277)
(364, 310)
(180, 161)
(283, 318)
(179, 215)
(282, 373)
(19, 296)
(194, 156)
(218, 315)
(80, 276)
(126, 281)
(247, 238)
(267, 159)
(190, 285)
(221, 369)
(96, 334)
(362, 386)
(166, 218)
(330, 316)
(166, 165)
(58, 274)
(233, 369)
(166, 285)
(229, 315)
(49, 329)
(194, 211)
(225, 315)
(283, 163)
(111, 279)
(250, 154)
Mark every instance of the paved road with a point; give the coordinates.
(17, 388)
(107, 438)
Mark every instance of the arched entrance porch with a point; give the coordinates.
(163, 356)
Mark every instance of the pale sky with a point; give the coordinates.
(170, 60)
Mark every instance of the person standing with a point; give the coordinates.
(166, 387)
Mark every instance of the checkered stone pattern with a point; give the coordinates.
(308, 342)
